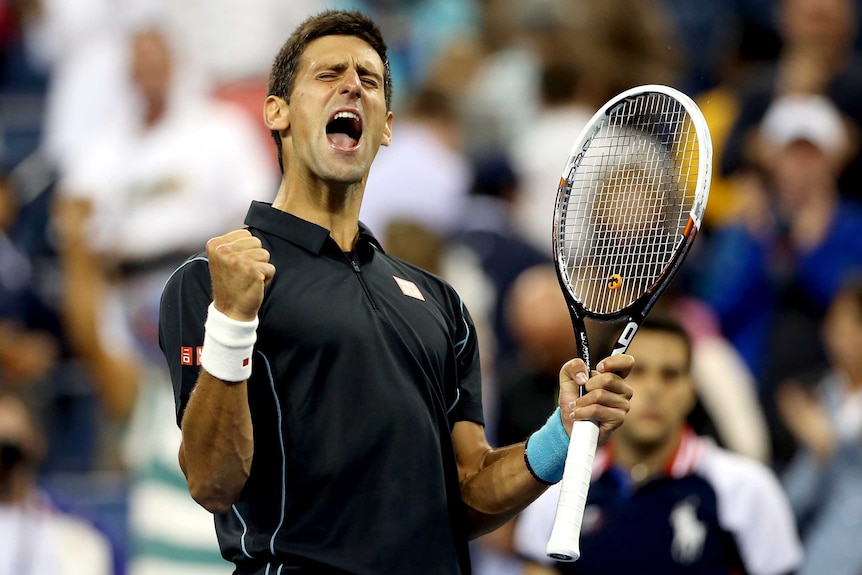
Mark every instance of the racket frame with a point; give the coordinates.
(564, 544)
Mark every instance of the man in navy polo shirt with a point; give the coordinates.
(328, 393)
(663, 500)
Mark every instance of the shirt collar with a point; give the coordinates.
(307, 235)
(688, 453)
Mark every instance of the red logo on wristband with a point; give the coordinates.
(245, 362)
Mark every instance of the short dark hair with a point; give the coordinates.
(328, 23)
(662, 321)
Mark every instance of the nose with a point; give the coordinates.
(351, 84)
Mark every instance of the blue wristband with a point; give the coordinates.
(545, 452)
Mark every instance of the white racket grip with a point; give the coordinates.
(564, 543)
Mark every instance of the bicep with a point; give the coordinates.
(471, 448)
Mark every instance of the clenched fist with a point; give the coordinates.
(240, 269)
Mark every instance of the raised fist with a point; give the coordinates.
(240, 269)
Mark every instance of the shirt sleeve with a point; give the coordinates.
(753, 506)
(182, 315)
(468, 396)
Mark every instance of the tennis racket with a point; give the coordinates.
(629, 206)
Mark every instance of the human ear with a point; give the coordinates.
(387, 130)
(276, 113)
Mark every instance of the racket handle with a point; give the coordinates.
(564, 543)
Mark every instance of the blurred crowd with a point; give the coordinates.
(130, 133)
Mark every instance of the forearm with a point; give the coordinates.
(495, 483)
(218, 445)
(500, 490)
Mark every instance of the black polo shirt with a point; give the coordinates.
(362, 366)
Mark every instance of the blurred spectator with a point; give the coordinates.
(416, 32)
(822, 481)
(80, 46)
(662, 499)
(423, 176)
(220, 45)
(486, 227)
(747, 47)
(535, 73)
(230, 44)
(540, 152)
(817, 56)
(176, 157)
(36, 537)
(492, 75)
(528, 381)
(22, 86)
(771, 276)
(233, 41)
(796, 241)
(710, 30)
(729, 408)
(538, 318)
(29, 331)
(146, 194)
(34, 354)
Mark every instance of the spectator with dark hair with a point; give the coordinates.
(487, 228)
(663, 499)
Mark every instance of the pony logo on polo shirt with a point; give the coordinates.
(409, 288)
(689, 532)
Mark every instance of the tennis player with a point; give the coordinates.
(328, 393)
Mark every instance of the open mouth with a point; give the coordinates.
(344, 130)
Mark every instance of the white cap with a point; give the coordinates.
(807, 117)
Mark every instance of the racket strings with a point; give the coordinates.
(627, 202)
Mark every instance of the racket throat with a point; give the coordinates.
(583, 352)
(625, 339)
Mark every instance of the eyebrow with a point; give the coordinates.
(361, 68)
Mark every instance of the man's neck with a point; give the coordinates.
(644, 462)
(336, 209)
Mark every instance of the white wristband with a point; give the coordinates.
(228, 346)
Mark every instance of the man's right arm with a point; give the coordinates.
(217, 440)
(217, 445)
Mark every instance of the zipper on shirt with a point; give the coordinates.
(354, 263)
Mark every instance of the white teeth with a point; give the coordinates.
(345, 116)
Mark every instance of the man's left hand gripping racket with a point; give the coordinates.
(629, 205)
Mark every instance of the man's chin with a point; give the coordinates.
(647, 438)
(347, 171)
